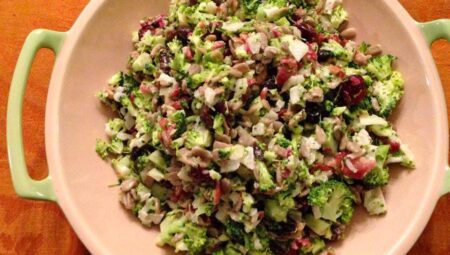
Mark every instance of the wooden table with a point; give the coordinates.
(30, 227)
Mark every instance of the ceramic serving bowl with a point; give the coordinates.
(97, 46)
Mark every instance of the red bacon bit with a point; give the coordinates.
(175, 92)
(144, 89)
(264, 92)
(362, 165)
(394, 146)
(282, 112)
(132, 97)
(251, 82)
(177, 194)
(218, 45)
(276, 33)
(217, 194)
(188, 53)
(176, 105)
(286, 173)
(163, 123)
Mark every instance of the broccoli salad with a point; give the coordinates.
(252, 127)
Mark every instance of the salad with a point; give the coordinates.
(252, 127)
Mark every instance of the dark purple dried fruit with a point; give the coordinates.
(352, 91)
(314, 112)
(270, 83)
(183, 33)
(324, 55)
(206, 116)
(165, 58)
(151, 24)
(308, 32)
(258, 152)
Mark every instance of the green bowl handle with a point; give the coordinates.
(23, 184)
(436, 29)
(432, 31)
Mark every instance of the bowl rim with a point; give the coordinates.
(88, 237)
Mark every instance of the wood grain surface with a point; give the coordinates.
(31, 227)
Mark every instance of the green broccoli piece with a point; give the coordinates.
(374, 201)
(330, 143)
(272, 10)
(115, 125)
(381, 66)
(319, 226)
(278, 207)
(235, 231)
(265, 180)
(116, 146)
(334, 199)
(379, 176)
(338, 51)
(101, 147)
(404, 156)
(159, 191)
(229, 249)
(116, 79)
(199, 136)
(158, 160)
(250, 6)
(389, 93)
(317, 246)
(338, 16)
(282, 141)
(179, 118)
(194, 239)
(219, 121)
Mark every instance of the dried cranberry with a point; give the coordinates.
(183, 34)
(220, 107)
(165, 58)
(353, 90)
(314, 112)
(151, 24)
(270, 83)
(258, 152)
(200, 177)
(206, 116)
(283, 75)
(324, 55)
(308, 32)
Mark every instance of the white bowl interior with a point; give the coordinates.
(98, 46)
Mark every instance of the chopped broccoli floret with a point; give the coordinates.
(338, 16)
(272, 10)
(235, 231)
(338, 51)
(101, 148)
(265, 180)
(114, 126)
(381, 67)
(194, 237)
(330, 143)
(316, 247)
(374, 201)
(282, 141)
(230, 249)
(404, 156)
(278, 208)
(179, 118)
(334, 199)
(140, 63)
(199, 136)
(319, 226)
(388, 93)
(379, 176)
(219, 120)
(157, 158)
